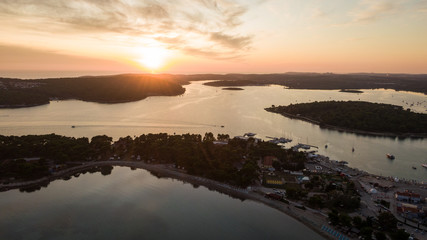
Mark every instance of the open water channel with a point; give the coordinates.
(206, 109)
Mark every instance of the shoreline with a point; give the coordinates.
(23, 105)
(311, 218)
(348, 130)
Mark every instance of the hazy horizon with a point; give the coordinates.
(28, 75)
(214, 36)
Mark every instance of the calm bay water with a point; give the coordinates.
(136, 205)
(205, 109)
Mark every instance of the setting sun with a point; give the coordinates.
(152, 58)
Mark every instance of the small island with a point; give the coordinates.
(233, 89)
(351, 91)
(359, 117)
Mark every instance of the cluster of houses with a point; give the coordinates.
(409, 205)
(271, 178)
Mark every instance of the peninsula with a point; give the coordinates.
(325, 195)
(358, 117)
(104, 89)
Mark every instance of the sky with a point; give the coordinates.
(214, 36)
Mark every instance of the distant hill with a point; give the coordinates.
(134, 87)
(327, 81)
(103, 89)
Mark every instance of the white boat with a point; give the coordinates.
(424, 165)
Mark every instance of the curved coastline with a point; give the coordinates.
(9, 106)
(360, 132)
(311, 218)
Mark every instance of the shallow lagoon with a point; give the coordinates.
(133, 204)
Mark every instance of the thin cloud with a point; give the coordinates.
(211, 23)
(367, 11)
(230, 41)
(212, 54)
(319, 14)
(374, 10)
(422, 6)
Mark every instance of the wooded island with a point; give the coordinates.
(358, 116)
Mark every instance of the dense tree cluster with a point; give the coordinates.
(338, 193)
(288, 158)
(56, 149)
(234, 162)
(18, 98)
(384, 224)
(200, 156)
(45, 146)
(355, 115)
(105, 89)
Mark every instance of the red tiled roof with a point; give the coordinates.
(268, 160)
(416, 195)
(408, 194)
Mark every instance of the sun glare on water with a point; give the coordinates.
(152, 58)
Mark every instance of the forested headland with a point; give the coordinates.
(358, 116)
(234, 161)
(104, 89)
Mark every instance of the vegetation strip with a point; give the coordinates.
(243, 167)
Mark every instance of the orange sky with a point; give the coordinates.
(214, 36)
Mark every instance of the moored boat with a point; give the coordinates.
(249, 134)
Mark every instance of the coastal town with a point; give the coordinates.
(337, 201)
